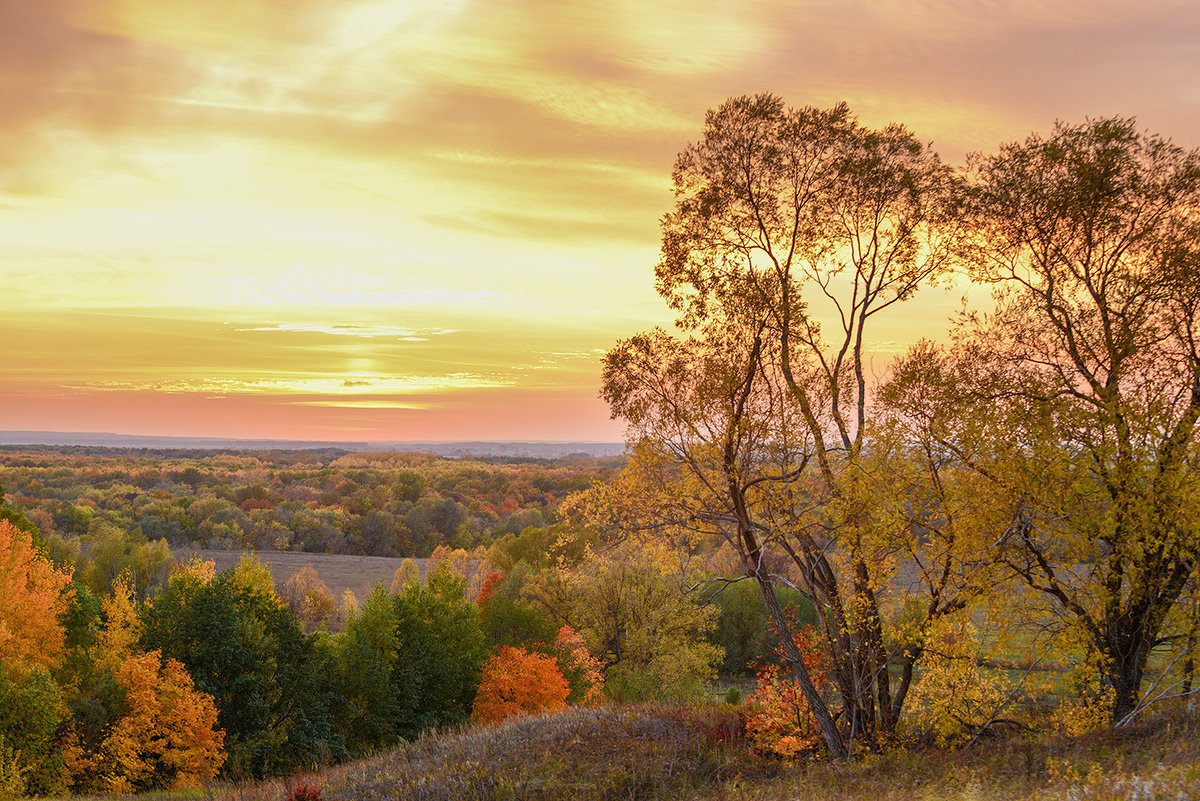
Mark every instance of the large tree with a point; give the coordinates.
(1089, 367)
(793, 229)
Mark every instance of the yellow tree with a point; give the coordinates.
(1088, 370)
(784, 216)
(631, 605)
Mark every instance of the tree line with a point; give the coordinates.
(205, 675)
(381, 504)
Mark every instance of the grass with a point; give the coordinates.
(614, 752)
(359, 574)
(645, 752)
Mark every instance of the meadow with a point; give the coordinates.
(340, 572)
(697, 752)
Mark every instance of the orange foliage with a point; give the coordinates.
(32, 596)
(585, 672)
(165, 739)
(488, 589)
(516, 681)
(780, 720)
(198, 570)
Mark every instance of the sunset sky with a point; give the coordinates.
(411, 220)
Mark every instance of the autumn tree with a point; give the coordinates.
(583, 671)
(1087, 373)
(631, 605)
(164, 738)
(137, 720)
(241, 645)
(514, 681)
(793, 230)
(309, 598)
(32, 597)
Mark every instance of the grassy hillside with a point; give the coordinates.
(697, 753)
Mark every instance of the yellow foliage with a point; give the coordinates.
(406, 574)
(166, 737)
(202, 570)
(121, 631)
(953, 696)
(251, 575)
(32, 596)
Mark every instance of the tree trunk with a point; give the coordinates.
(799, 672)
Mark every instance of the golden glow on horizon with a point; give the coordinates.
(416, 219)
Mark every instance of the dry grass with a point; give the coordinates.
(1158, 759)
(697, 753)
(585, 754)
(358, 574)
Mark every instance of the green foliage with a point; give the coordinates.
(743, 630)
(440, 652)
(409, 486)
(506, 619)
(115, 555)
(31, 711)
(407, 662)
(81, 625)
(539, 547)
(241, 645)
(364, 656)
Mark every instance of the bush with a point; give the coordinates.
(516, 681)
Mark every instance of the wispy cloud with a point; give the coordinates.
(362, 331)
(342, 203)
(345, 385)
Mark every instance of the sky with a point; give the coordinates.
(412, 220)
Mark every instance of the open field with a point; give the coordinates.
(359, 574)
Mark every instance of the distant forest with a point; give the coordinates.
(319, 501)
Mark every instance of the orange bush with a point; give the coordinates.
(515, 681)
(779, 719)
